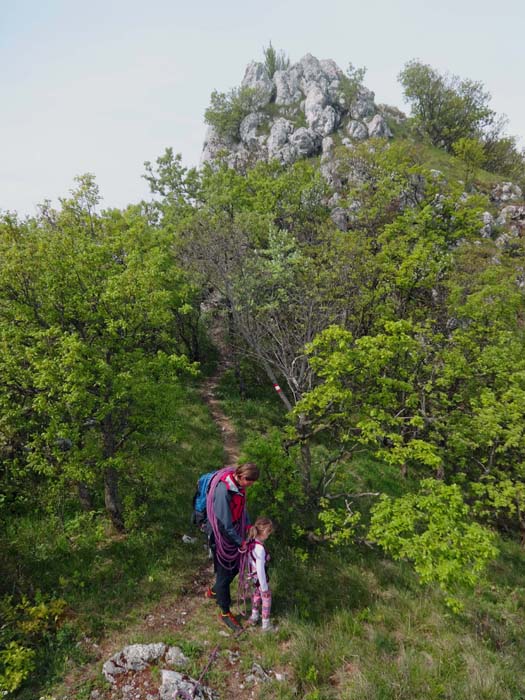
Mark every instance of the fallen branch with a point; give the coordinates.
(332, 497)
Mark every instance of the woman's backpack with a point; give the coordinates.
(199, 516)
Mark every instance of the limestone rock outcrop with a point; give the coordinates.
(511, 219)
(293, 111)
(311, 109)
(506, 192)
(137, 657)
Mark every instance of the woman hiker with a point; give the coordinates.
(227, 524)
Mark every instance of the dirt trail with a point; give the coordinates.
(229, 437)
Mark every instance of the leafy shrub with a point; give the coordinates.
(351, 84)
(16, 664)
(471, 153)
(432, 528)
(24, 624)
(227, 110)
(300, 120)
(279, 493)
(338, 525)
(502, 156)
(501, 499)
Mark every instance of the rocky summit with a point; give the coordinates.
(295, 112)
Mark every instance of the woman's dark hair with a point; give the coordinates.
(248, 470)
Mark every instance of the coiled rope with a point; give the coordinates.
(227, 552)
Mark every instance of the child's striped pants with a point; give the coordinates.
(265, 598)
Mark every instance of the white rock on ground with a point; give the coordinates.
(173, 682)
(137, 657)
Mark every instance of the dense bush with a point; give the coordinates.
(227, 110)
(24, 625)
(433, 529)
(89, 350)
(449, 110)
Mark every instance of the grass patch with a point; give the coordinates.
(451, 167)
(258, 411)
(375, 633)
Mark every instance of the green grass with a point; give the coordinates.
(256, 413)
(435, 158)
(451, 167)
(360, 626)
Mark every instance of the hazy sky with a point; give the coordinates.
(102, 86)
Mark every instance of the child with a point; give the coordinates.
(258, 557)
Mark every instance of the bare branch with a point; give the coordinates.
(333, 497)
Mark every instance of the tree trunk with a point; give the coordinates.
(195, 343)
(306, 465)
(236, 362)
(235, 322)
(111, 498)
(240, 379)
(85, 496)
(111, 495)
(306, 457)
(271, 376)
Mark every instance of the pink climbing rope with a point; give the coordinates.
(244, 585)
(227, 552)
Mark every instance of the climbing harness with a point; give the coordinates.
(244, 579)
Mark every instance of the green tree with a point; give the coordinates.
(472, 155)
(434, 529)
(447, 402)
(435, 386)
(177, 188)
(266, 243)
(275, 60)
(88, 332)
(377, 179)
(502, 154)
(446, 108)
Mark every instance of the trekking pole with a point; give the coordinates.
(213, 655)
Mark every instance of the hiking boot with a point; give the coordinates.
(268, 627)
(210, 593)
(230, 621)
